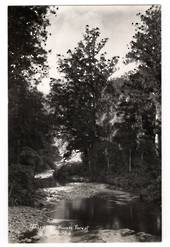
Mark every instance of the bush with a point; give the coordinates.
(69, 170)
(21, 184)
(153, 191)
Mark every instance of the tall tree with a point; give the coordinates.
(29, 122)
(27, 57)
(85, 71)
(145, 48)
(26, 36)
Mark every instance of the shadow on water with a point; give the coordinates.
(80, 216)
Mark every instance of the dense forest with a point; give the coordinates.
(115, 123)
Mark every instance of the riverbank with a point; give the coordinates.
(139, 181)
(22, 219)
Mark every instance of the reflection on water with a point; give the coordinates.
(106, 214)
(100, 213)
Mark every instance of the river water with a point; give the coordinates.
(79, 217)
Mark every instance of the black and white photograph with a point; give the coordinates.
(84, 123)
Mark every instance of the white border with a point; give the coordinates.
(3, 126)
(81, 2)
(165, 115)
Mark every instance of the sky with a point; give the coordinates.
(67, 28)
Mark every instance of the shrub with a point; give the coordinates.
(70, 169)
(21, 184)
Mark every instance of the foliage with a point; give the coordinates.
(146, 48)
(76, 100)
(67, 172)
(29, 121)
(26, 32)
(135, 124)
(21, 184)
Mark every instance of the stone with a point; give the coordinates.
(144, 237)
(27, 240)
(35, 238)
(127, 232)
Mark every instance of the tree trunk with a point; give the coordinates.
(89, 166)
(86, 159)
(107, 159)
(158, 127)
(18, 151)
(130, 160)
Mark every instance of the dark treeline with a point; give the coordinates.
(30, 141)
(114, 123)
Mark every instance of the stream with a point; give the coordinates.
(99, 218)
